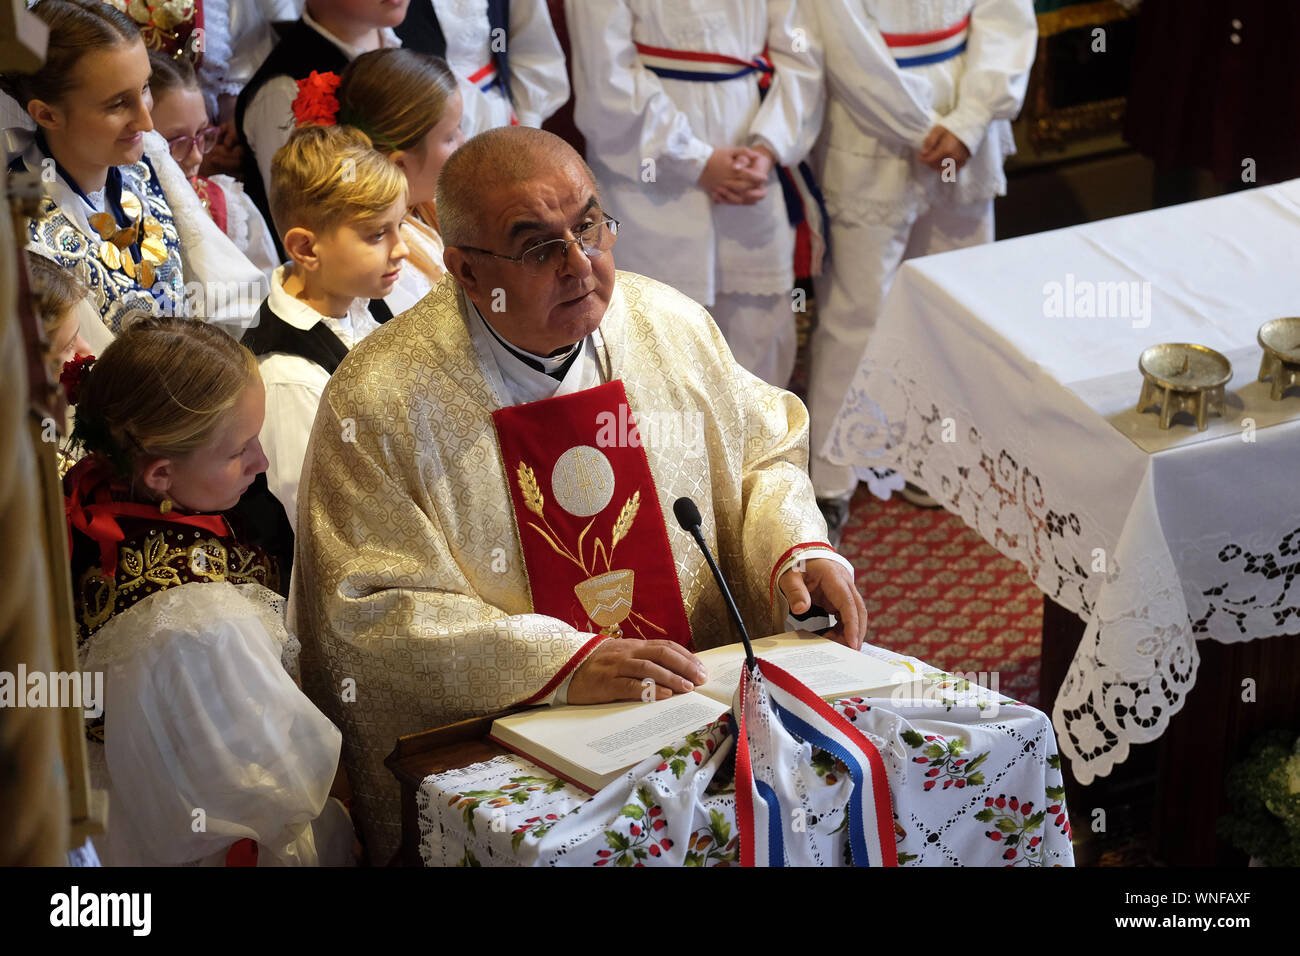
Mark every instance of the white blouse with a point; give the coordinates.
(208, 739)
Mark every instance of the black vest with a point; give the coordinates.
(272, 334)
(300, 50)
(261, 512)
(422, 32)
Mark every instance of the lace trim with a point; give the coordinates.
(186, 607)
(1138, 656)
(889, 187)
(236, 210)
(889, 421)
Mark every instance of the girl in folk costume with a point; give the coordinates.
(227, 41)
(201, 720)
(63, 305)
(687, 108)
(921, 95)
(409, 106)
(180, 117)
(118, 212)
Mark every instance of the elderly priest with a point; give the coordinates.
(489, 485)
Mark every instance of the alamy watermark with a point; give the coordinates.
(662, 430)
(1089, 299)
(80, 689)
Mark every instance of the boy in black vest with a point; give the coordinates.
(330, 34)
(337, 204)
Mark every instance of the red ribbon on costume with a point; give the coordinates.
(91, 508)
(242, 853)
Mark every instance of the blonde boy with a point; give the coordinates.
(337, 205)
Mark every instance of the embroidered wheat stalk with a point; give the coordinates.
(533, 498)
(625, 517)
(534, 501)
(623, 525)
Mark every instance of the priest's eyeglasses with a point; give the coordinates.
(593, 239)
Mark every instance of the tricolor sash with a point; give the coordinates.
(590, 527)
(486, 77)
(933, 46)
(776, 714)
(804, 204)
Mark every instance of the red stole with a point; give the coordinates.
(590, 527)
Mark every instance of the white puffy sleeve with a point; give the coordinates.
(791, 115)
(222, 285)
(538, 83)
(619, 105)
(246, 226)
(1000, 49)
(888, 103)
(208, 740)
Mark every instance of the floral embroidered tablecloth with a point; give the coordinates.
(974, 780)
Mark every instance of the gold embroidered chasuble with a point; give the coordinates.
(410, 594)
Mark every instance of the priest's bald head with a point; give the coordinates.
(526, 237)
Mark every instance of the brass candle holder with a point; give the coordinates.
(1280, 340)
(1182, 377)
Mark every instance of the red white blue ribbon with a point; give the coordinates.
(485, 78)
(934, 46)
(804, 205)
(701, 67)
(766, 801)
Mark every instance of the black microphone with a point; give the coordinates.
(688, 516)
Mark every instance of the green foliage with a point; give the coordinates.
(1264, 790)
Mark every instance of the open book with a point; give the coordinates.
(592, 745)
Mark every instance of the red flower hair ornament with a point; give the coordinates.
(316, 102)
(74, 372)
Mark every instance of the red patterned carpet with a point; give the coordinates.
(936, 590)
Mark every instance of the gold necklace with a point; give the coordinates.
(115, 248)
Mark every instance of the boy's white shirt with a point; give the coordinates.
(878, 113)
(538, 82)
(649, 138)
(294, 387)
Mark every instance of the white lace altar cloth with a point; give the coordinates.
(1003, 380)
(974, 779)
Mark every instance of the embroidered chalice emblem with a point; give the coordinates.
(583, 483)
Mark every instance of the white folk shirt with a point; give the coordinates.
(268, 121)
(237, 36)
(294, 387)
(879, 113)
(648, 138)
(538, 82)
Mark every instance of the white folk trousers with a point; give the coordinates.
(850, 293)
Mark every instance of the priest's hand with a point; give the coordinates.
(618, 670)
(828, 584)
